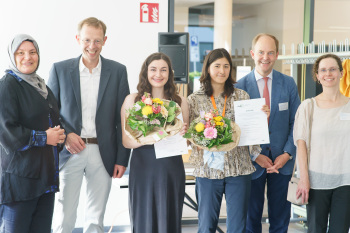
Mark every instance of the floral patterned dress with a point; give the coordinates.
(237, 161)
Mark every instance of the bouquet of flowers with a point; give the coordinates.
(212, 132)
(150, 120)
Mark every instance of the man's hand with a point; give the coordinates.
(264, 161)
(266, 110)
(118, 171)
(280, 161)
(74, 143)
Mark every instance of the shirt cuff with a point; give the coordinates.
(37, 138)
(253, 157)
(40, 138)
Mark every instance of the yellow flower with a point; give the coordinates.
(158, 101)
(219, 123)
(218, 118)
(199, 127)
(147, 110)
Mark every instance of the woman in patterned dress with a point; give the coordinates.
(217, 88)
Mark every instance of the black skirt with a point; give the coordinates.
(156, 192)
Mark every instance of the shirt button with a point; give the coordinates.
(50, 105)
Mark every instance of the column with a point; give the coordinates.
(223, 24)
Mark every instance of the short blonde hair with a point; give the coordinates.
(257, 37)
(94, 22)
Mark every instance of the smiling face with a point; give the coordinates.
(158, 73)
(265, 55)
(91, 40)
(27, 58)
(328, 73)
(219, 71)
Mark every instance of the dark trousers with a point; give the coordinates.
(33, 216)
(209, 194)
(332, 202)
(278, 206)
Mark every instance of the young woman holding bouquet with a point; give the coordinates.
(156, 186)
(218, 92)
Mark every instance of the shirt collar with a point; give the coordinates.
(258, 76)
(82, 67)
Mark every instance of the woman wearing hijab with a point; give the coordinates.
(30, 136)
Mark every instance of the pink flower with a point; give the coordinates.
(156, 108)
(148, 101)
(210, 133)
(145, 96)
(207, 124)
(208, 116)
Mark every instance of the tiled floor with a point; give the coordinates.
(117, 214)
(293, 228)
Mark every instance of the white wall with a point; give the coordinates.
(53, 24)
(331, 21)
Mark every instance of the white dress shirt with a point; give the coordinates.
(89, 85)
(261, 83)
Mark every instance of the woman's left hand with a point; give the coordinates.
(303, 190)
(266, 110)
(184, 129)
(55, 136)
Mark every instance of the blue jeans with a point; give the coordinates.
(209, 194)
(33, 216)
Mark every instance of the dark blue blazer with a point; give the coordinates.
(64, 82)
(284, 90)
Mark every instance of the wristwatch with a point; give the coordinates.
(290, 156)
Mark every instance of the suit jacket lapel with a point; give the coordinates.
(252, 86)
(75, 78)
(276, 93)
(105, 75)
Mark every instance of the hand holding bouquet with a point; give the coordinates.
(150, 120)
(212, 132)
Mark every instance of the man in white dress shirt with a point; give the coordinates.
(90, 91)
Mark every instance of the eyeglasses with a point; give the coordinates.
(331, 70)
(88, 42)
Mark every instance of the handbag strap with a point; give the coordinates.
(310, 128)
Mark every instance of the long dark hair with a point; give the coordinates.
(170, 89)
(205, 77)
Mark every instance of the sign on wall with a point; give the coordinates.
(149, 12)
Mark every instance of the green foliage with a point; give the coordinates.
(137, 121)
(224, 133)
(191, 75)
(171, 112)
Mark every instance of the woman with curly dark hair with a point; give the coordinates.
(156, 186)
(321, 132)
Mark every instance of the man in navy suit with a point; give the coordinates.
(274, 166)
(90, 91)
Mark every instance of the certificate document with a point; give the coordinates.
(171, 146)
(252, 121)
